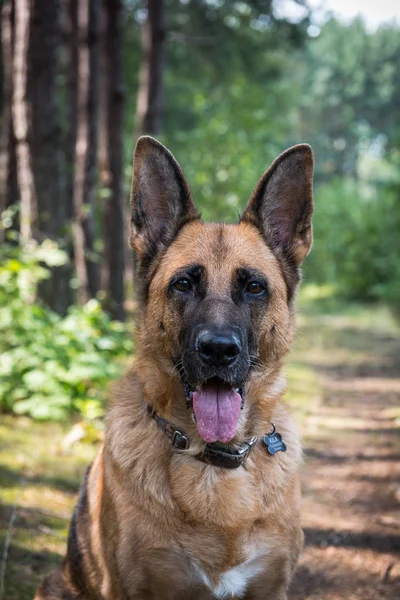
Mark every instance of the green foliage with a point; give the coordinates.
(227, 107)
(349, 92)
(52, 367)
(222, 162)
(357, 242)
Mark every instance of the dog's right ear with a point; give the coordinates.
(160, 199)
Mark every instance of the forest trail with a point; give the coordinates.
(344, 385)
(351, 475)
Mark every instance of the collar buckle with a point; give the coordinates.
(180, 441)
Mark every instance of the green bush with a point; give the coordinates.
(52, 367)
(356, 241)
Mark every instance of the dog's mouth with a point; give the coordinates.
(216, 408)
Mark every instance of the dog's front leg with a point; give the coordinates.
(57, 587)
(273, 583)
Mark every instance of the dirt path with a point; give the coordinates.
(351, 480)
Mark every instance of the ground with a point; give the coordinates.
(351, 477)
(344, 387)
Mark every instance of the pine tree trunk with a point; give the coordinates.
(103, 96)
(48, 157)
(104, 172)
(86, 147)
(20, 116)
(150, 93)
(8, 192)
(72, 104)
(114, 226)
(93, 107)
(82, 65)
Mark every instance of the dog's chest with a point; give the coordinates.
(234, 582)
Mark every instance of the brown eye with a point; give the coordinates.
(182, 285)
(254, 287)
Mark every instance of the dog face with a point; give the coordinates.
(217, 299)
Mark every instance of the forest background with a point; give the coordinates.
(226, 85)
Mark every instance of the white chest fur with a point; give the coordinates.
(235, 581)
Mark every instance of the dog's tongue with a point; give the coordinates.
(217, 411)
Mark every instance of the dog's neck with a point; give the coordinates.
(217, 455)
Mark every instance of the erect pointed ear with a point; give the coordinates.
(281, 206)
(160, 199)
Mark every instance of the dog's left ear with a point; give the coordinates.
(160, 199)
(281, 206)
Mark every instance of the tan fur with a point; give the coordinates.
(159, 522)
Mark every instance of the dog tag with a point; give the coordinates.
(274, 442)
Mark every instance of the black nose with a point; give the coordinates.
(219, 349)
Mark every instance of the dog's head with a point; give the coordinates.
(217, 299)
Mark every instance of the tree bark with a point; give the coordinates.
(150, 93)
(86, 147)
(103, 96)
(114, 228)
(8, 191)
(47, 143)
(81, 150)
(72, 104)
(20, 117)
(93, 108)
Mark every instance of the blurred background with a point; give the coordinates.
(227, 86)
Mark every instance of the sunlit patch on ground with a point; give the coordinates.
(39, 481)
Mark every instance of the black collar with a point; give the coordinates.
(213, 454)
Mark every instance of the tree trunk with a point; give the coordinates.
(93, 108)
(72, 104)
(20, 117)
(8, 187)
(103, 96)
(81, 150)
(47, 143)
(114, 227)
(6, 96)
(104, 172)
(150, 93)
(86, 147)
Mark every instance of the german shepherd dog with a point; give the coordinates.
(195, 493)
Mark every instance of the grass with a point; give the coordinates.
(40, 475)
(41, 478)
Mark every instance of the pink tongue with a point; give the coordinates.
(217, 413)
